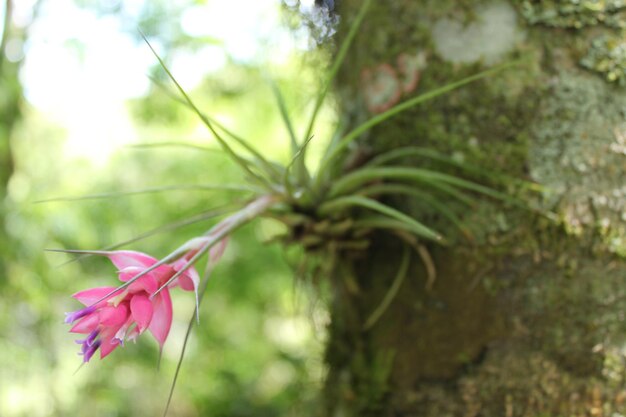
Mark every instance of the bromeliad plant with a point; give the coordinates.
(329, 210)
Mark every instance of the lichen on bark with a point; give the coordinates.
(574, 155)
(574, 14)
(605, 46)
(607, 56)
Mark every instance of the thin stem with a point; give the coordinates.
(282, 107)
(205, 281)
(223, 229)
(176, 145)
(206, 215)
(301, 172)
(150, 190)
(207, 122)
(241, 141)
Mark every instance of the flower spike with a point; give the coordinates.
(112, 315)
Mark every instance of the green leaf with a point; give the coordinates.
(203, 287)
(280, 100)
(358, 201)
(298, 157)
(356, 179)
(359, 130)
(430, 154)
(341, 55)
(150, 145)
(381, 222)
(237, 158)
(261, 162)
(200, 217)
(422, 197)
(270, 167)
(393, 291)
(408, 151)
(151, 190)
(331, 171)
(297, 152)
(362, 176)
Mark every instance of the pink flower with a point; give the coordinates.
(129, 312)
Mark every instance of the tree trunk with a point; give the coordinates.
(524, 316)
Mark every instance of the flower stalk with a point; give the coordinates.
(113, 315)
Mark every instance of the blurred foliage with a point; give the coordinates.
(258, 348)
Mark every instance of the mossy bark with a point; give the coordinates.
(525, 316)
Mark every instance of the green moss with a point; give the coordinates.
(607, 56)
(575, 14)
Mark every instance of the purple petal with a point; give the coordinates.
(78, 314)
(89, 339)
(90, 350)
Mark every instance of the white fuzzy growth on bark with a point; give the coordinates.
(495, 33)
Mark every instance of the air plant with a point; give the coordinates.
(326, 211)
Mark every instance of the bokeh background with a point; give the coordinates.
(89, 120)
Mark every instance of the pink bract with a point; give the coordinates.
(127, 313)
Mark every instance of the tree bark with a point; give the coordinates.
(524, 317)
